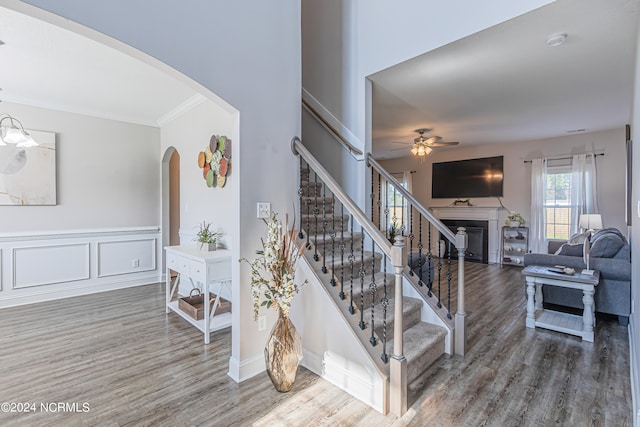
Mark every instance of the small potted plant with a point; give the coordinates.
(393, 231)
(207, 236)
(515, 220)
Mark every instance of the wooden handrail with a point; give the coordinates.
(337, 135)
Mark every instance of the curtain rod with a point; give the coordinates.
(567, 157)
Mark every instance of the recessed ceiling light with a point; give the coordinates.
(557, 39)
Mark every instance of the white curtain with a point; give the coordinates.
(538, 187)
(583, 188)
(407, 178)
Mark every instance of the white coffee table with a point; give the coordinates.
(582, 326)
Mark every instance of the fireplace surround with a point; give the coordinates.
(488, 214)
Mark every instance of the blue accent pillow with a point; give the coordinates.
(606, 243)
(571, 249)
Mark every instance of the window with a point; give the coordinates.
(558, 211)
(397, 205)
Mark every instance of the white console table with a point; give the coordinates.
(204, 270)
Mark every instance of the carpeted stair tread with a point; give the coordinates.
(423, 345)
(411, 308)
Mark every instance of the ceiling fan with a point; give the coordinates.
(423, 145)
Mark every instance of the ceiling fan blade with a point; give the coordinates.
(427, 140)
(443, 144)
(399, 142)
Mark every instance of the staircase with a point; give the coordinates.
(356, 269)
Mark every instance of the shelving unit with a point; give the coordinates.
(515, 243)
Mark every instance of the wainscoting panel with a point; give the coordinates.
(42, 266)
(126, 256)
(47, 265)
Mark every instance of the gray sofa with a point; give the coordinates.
(610, 253)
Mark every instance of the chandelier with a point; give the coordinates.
(12, 132)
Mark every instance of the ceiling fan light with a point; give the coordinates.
(414, 151)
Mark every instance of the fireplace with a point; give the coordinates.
(477, 239)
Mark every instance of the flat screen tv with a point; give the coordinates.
(468, 178)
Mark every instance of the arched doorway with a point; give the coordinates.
(171, 197)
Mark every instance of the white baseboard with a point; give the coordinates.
(248, 368)
(634, 364)
(84, 289)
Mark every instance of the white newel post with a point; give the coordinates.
(460, 331)
(398, 363)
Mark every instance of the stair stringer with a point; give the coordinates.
(331, 347)
(430, 313)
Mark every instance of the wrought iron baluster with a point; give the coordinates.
(430, 264)
(386, 208)
(372, 289)
(385, 303)
(411, 238)
(324, 229)
(420, 274)
(440, 283)
(308, 203)
(333, 243)
(352, 258)
(440, 271)
(300, 193)
(371, 196)
(316, 212)
(449, 275)
(362, 274)
(379, 199)
(342, 245)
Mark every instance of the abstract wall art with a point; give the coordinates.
(28, 174)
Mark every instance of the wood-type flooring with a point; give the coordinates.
(116, 359)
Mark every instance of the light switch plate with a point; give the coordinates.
(264, 209)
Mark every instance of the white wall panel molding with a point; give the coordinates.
(126, 256)
(42, 266)
(65, 234)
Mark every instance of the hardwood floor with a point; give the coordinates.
(134, 365)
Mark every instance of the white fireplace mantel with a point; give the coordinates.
(491, 214)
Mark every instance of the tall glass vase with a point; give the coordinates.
(283, 353)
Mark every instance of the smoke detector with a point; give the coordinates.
(557, 39)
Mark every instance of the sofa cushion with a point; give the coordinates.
(606, 243)
(416, 260)
(571, 249)
(579, 238)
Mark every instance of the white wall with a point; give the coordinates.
(517, 174)
(106, 214)
(634, 320)
(345, 41)
(189, 134)
(247, 53)
(107, 174)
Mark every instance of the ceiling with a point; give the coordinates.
(51, 67)
(505, 84)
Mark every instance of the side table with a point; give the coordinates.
(582, 326)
